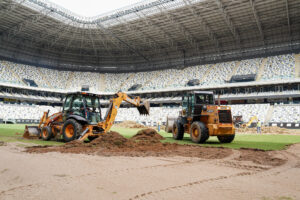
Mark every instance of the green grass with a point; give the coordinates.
(8, 134)
(264, 142)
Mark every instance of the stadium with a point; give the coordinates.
(244, 52)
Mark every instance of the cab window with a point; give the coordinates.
(67, 103)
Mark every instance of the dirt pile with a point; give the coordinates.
(148, 134)
(147, 143)
(144, 143)
(266, 130)
(129, 124)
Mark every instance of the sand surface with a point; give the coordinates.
(242, 174)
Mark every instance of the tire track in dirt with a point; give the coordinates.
(17, 188)
(126, 170)
(261, 170)
(189, 184)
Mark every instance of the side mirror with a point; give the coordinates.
(204, 108)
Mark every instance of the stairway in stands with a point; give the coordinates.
(102, 85)
(69, 81)
(261, 69)
(269, 114)
(149, 81)
(202, 79)
(14, 74)
(126, 81)
(237, 64)
(297, 65)
(45, 80)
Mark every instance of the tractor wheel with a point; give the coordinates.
(71, 130)
(47, 133)
(198, 132)
(91, 138)
(178, 131)
(226, 138)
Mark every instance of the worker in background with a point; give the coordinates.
(158, 125)
(258, 125)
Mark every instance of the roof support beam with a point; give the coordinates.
(171, 42)
(121, 41)
(203, 24)
(288, 19)
(143, 36)
(252, 4)
(229, 22)
(15, 30)
(93, 43)
(187, 35)
(11, 8)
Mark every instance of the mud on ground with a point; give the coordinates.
(147, 142)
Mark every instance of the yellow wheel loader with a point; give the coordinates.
(81, 117)
(201, 118)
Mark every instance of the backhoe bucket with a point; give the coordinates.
(144, 108)
(31, 131)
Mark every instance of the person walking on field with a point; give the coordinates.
(258, 126)
(158, 125)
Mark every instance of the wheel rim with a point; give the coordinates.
(69, 131)
(195, 132)
(175, 131)
(45, 133)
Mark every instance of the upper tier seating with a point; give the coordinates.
(275, 68)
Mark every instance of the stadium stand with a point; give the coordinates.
(281, 113)
(286, 113)
(17, 111)
(279, 67)
(276, 68)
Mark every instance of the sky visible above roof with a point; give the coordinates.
(91, 8)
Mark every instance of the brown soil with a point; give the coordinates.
(268, 130)
(147, 143)
(260, 157)
(129, 124)
(148, 134)
(119, 177)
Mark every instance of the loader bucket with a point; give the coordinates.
(144, 108)
(31, 131)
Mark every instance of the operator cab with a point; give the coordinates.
(194, 102)
(82, 106)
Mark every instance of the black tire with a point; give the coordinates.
(46, 133)
(198, 132)
(71, 130)
(91, 138)
(178, 131)
(226, 138)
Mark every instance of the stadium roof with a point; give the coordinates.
(150, 35)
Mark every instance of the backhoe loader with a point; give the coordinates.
(81, 118)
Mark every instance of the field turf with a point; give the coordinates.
(264, 142)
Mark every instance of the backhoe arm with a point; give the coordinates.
(115, 105)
